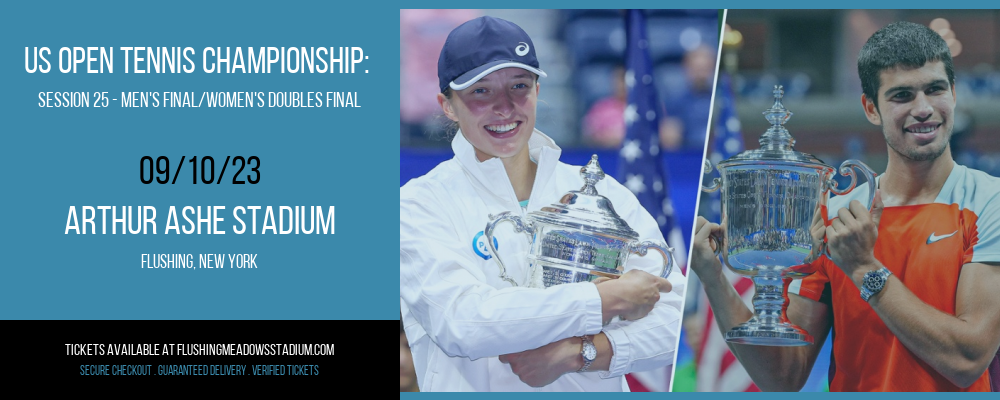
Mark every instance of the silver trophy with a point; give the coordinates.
(773, 212)
(578, 239)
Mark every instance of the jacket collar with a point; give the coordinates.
(491, 173)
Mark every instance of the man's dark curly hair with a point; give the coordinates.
(900, 44)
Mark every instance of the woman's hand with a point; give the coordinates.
(542, 366)
(632, 296)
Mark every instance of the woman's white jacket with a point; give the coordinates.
(459, 315)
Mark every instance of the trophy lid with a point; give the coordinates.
(776, 143)
(585, 209)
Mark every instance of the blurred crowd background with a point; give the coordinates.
(813, 54)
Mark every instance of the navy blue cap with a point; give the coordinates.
(479, 47)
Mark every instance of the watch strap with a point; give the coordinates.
(588, 343)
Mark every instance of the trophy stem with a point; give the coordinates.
(768, 300)
(769, 325)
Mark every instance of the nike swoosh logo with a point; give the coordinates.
(933, 238)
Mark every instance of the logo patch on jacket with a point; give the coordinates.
(479, 246)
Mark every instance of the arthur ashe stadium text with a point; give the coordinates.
(142, 220)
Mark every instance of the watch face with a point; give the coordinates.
(874, 280)
(589, 352)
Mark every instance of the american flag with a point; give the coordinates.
(728, 136)
(640, 168)
(718, 368)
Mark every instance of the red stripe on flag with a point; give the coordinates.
(742, 285)
(634, 384)
(725, 365)
(708, 329)
(727, 360)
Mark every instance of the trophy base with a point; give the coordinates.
(782, 334)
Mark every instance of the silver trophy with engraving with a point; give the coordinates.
(578, 239)
(773, 217)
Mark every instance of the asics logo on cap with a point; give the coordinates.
(522, 49)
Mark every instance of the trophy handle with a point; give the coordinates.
(718, 244)
(716, 185)
(519, 226)
(716, 182)
(847, 170)
(667, 252)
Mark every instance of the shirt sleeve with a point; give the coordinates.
(812, 286)
(650, 342)
(467, 317)
(986, 234)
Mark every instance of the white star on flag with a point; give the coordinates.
(631, 150)
(733, 145)
(630, 78)
(630, 114)
(733, 124)
(668, 206)
(635, 184)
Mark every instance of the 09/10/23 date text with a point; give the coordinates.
(160, 170)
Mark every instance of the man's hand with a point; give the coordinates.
(703, 259)
(632, 296)
(851, 238)
(818, 232)
(542, 366)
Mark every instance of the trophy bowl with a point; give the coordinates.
(579, 239)
(774, 209)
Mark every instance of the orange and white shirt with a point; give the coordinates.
(925, 247)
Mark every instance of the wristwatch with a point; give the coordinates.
(873, 282)
(589, 353)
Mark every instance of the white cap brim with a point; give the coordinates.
(473, 76)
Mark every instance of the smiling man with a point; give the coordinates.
(910, 291)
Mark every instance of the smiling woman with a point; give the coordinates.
(468, 328)
(497, 113)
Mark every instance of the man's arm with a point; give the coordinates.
(959, 346)
(771, 368)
